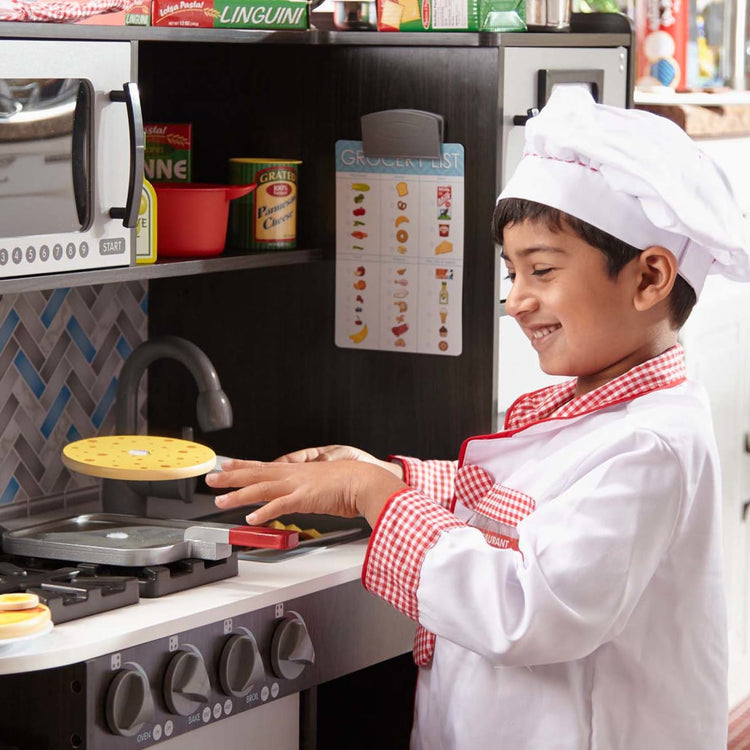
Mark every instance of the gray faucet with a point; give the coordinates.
(213, 412)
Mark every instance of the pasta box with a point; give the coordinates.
(231, 14)
(449, 15)
(168, 152)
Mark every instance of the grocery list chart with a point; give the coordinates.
(399, 251)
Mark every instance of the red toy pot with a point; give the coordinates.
(192, 217)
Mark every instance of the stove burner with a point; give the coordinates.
(68, 594)
(159, 580)
(83, 589)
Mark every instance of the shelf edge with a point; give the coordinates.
(159, 270)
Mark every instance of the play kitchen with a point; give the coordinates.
(263, 648)
(205, 663)
(201, 659)
(137, 690)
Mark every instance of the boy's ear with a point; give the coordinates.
(657, 271)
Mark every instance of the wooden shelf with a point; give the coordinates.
(583, 34)
(669, 97)
(160, 269)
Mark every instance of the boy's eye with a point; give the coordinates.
(511, 276)
(541, 271)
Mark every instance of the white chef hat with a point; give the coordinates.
(636, 176)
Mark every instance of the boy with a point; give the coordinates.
(566, 572)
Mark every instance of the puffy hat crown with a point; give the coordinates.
(636, 176)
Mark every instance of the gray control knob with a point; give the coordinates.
(129, 704)
(291, 647)
(240, 665)
(186, 683)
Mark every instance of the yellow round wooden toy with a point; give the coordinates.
(138, 457)
(9, 602)
(23, 622)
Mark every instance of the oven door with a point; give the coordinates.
(71, 156)
(273, 725)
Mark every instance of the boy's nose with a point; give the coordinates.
(519, 300)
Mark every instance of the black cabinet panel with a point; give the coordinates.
(270, 331)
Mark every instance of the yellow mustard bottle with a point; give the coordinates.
(145, 233)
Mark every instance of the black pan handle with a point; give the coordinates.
(129, 95)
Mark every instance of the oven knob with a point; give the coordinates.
(129, 703)
(291, 647)
(240, 666)
(186, 683)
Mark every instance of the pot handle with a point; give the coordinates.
(263, 536)
(237, 191)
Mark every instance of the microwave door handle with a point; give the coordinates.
(129, 95)
(82, 153)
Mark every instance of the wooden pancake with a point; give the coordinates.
(18, 601)
(23, 622)
(138, 457)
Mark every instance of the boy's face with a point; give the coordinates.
(580, 321)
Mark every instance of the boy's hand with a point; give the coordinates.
(340, 453)
(337, 487)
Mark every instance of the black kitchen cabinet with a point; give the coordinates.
(270, 331)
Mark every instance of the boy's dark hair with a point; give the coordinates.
(618, 253)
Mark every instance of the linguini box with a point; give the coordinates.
(231, 14)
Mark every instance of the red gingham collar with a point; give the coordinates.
(664, 371)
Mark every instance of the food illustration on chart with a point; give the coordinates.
(359, 283)
(399, 251)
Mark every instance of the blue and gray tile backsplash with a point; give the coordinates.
(60, 354)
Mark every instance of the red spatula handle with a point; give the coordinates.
(261, 536)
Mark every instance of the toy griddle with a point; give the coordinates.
(138, 457)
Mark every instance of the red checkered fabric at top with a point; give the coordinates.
(38, 10)
(557, 402)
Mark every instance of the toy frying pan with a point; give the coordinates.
(138, 457)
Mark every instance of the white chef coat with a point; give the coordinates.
(606, 628)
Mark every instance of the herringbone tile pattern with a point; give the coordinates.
(60, 354)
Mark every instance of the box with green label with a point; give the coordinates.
(231, 14)
(451, 15)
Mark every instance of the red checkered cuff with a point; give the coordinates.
(436, 479)
(409, 525)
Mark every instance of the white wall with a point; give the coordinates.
(717, 341)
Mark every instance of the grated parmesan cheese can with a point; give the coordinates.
(266, 219)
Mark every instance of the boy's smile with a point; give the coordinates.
(581, 321)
